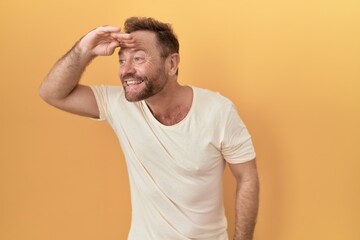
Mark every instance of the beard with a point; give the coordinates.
(150, 86)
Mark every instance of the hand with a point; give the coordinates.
(103, 41)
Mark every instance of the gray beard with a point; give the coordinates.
(152, 87)
(147, 92)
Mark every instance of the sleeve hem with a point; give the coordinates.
(237, 160)
(101, 110)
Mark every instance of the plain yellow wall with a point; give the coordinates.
(291, 67)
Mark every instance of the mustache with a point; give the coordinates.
(132, 76)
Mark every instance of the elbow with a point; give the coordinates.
(43, 93)
(46, 94)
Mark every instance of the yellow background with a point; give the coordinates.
(291, 67)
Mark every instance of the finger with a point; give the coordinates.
(111, 29)
(128, 43)
(112, 46)
(121, 36)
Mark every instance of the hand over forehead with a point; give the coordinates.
(126, 40)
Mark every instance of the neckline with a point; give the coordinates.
(151, 117)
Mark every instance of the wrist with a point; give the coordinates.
(82, 52)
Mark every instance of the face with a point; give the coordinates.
(142, 69)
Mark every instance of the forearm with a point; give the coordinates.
(247, 201)
(66, 74)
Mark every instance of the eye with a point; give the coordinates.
(121, 61)
(139, 59)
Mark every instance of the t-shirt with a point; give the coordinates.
(175, 172)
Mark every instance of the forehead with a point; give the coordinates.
(144, 40)
(143, 35)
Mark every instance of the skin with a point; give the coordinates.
(145, 75)
(247, 199)
(61, 87)
(143, 68)
(159, 86)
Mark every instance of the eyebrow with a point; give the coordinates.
(132, 50)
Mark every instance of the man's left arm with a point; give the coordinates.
(247, 199)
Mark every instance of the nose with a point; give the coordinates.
(127, 68)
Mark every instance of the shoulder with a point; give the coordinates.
(212, 106)
(211, 99)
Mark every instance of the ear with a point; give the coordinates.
(173, 63)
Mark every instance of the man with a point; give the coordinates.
(176, 139)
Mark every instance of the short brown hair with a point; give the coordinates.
(166, 38)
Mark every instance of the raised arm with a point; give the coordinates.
(247, 199)
(61, 87)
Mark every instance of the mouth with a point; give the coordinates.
(133, 82)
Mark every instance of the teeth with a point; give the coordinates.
(133, 82)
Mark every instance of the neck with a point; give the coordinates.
(171, 104)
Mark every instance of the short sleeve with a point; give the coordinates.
(100, 93)
(237, 146)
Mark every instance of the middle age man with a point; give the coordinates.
(176, 139)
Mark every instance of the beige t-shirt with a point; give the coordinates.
(176, 171)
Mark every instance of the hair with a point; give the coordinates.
(165, 36)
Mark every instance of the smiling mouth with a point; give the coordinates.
(132, 82)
